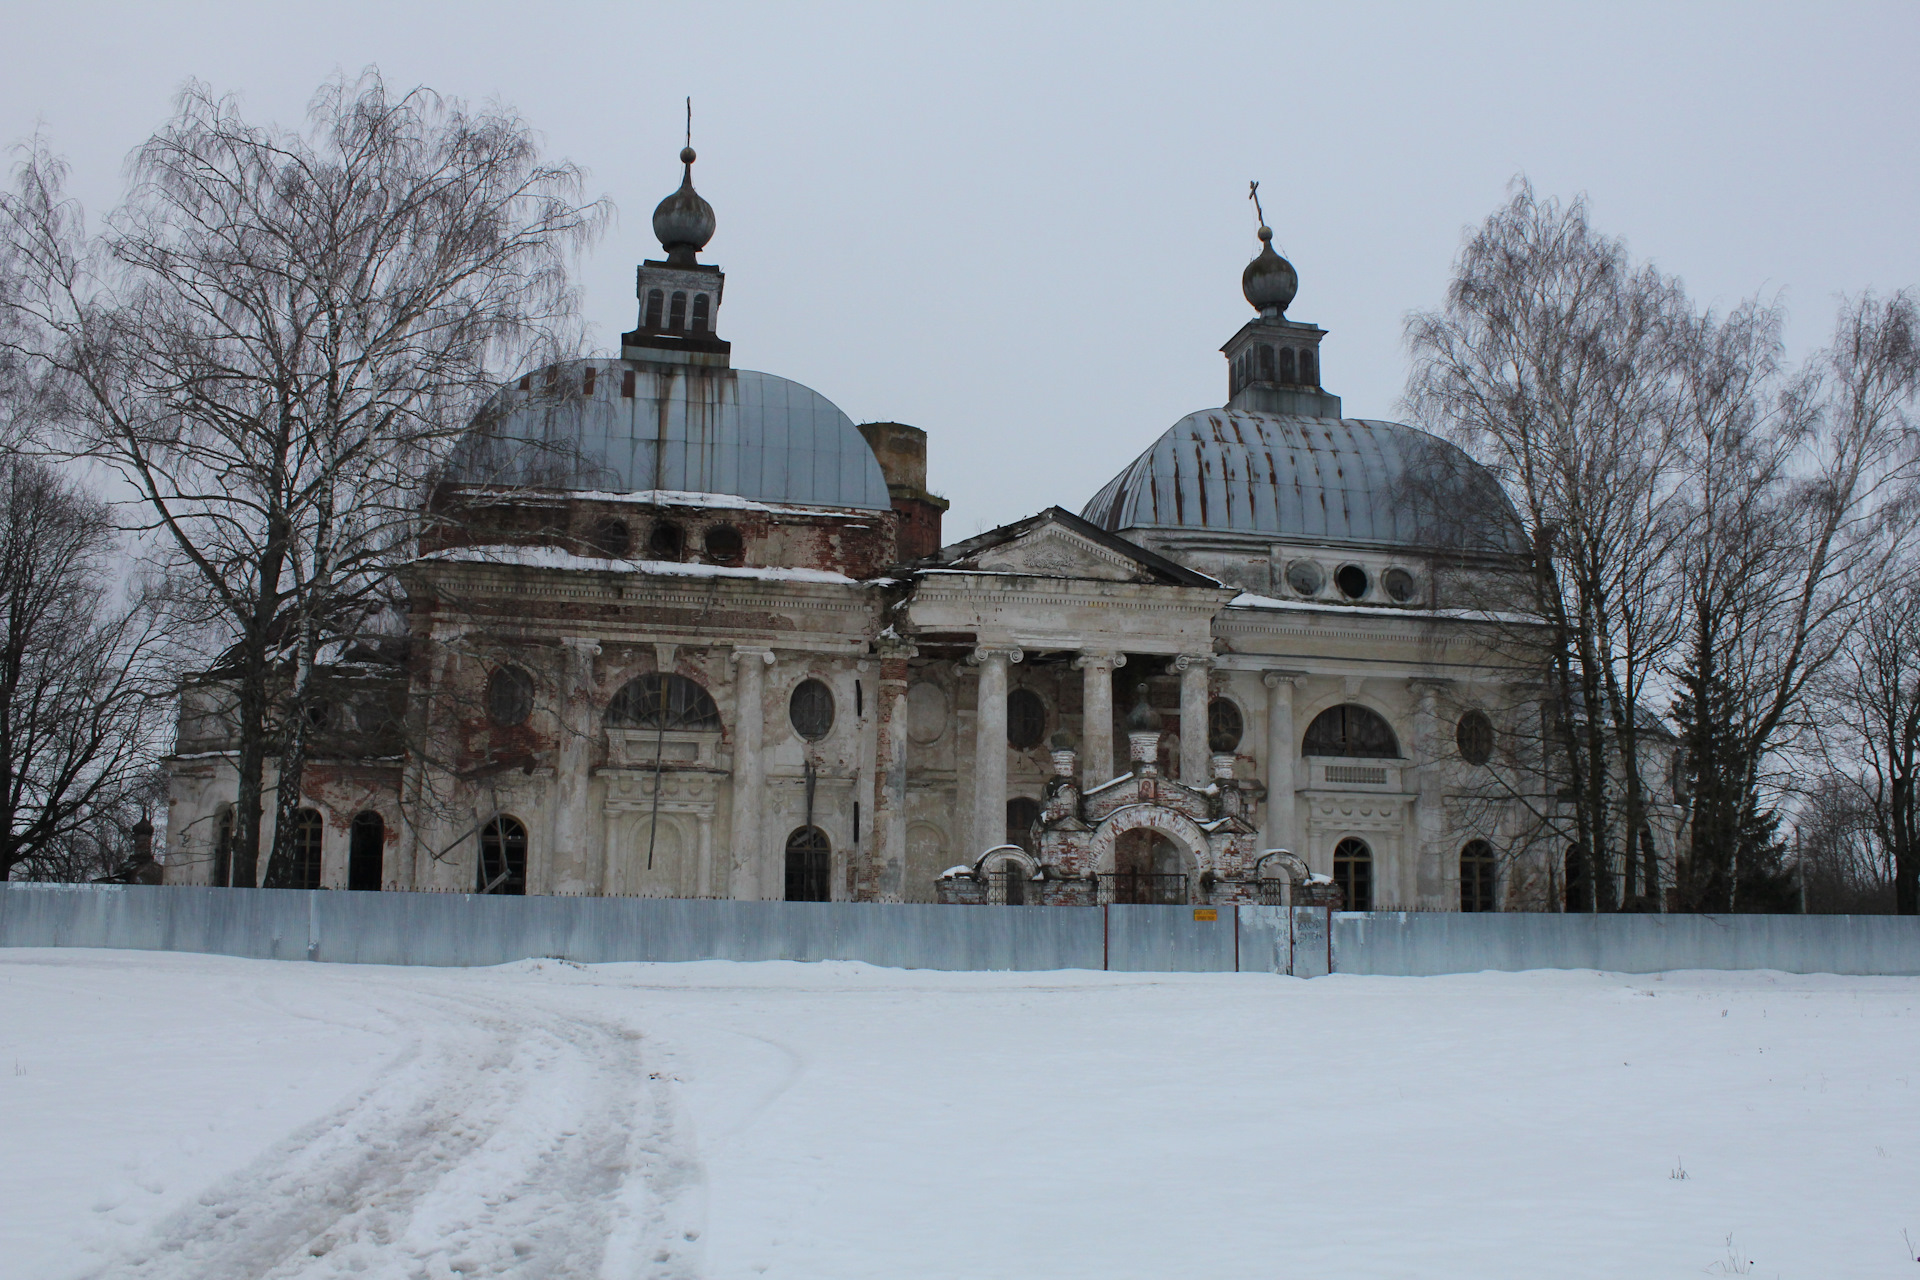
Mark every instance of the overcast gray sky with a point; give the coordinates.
(1021, 227)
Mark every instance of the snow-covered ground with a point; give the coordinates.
(174, 1116)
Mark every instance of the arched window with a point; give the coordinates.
(810, 710)
(1474, 736)
(1353, 872)
(1026, 719)
(663, 701)
(1225, 727)
(666, 541)
(677, 311)
(610, 537)
(1307, 377)
(1350, 730)
(306, 849)
(656, 305)
(509, 697)
(1266, 363)
(809, 864)
(700, 312)
(223, 848)
(724, 545)
(1286, 365)
(1022, 814)
(366, 851)
(503, 856)
(1476, 876)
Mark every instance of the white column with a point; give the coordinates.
(1280, 832)
(569, 862)
(749, 771)
(1429, 873)
(890, 800)
(1195, 768)
(990, 749)
(1096, 717)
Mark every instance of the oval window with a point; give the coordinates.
(509, 697)
(1399, 585)
(1304, 576)
(1352, 581)
(724, 545)
(1474, 736)
(1026, 719)
(1225, 727)
(811, 710)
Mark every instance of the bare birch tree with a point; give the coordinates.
(276, 341)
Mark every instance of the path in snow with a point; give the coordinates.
(835, 1121)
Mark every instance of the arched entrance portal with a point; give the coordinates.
(1147, 854)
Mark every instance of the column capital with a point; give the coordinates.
(1279, 679)
(1186, 660)
(586, 645)
(987, 653)
(741, 653)
(889, 645)
(1099, 658)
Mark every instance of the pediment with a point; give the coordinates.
(1053, 552)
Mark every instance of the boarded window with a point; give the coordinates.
(663, 701)
(1351, 730)
(1225, 727)
(1476, 876)
(810, 709)
(503, 856)
(809, 865)
(1353, 872)
(1026, 719)
(307, 829)
(366, 851)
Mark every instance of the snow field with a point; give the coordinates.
(169, 1116)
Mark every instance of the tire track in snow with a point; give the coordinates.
(507, 1138)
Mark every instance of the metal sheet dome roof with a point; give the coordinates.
(582, 425)
(1319, 479)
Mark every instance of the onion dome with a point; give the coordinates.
(1269, 280)
(684, 222)
(1143, 718)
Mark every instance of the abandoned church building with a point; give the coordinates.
(684, 629)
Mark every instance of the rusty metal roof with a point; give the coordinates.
(1321, 479)
(624, 427)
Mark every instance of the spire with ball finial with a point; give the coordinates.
(1269, 282)
(684, 222)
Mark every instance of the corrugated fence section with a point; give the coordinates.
(454, 929)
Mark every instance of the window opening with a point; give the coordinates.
(809, 864)
(1305, 577)
(724, 545)
(509, 696)
(1476, 876)
(1225, 727)
(810, 709)
(1146, 869)
(1286, 365)
(626, 384)
(503, 856)
(1266, 363)
(1307, 375)
(366, 851)
(1026, 719)
(663, 701)
(611, 537)
(223, 848)
(700, 312)
(1579, 888)
(677, 311)
(1352, 581)
(656, 304)
(307, 831)
(586, 384)
(1351, 730)
(666, 541)
(1353, 872)
(1474, 736)
(1399, 584)
(1022, 815)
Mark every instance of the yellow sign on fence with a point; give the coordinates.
(1206, 913)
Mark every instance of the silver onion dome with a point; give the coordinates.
(684, 222)
(1269, 280)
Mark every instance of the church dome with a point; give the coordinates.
(684, 221)
(1269, 282)
(611, 426)
(1316, 479)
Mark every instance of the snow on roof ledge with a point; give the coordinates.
(555, 558)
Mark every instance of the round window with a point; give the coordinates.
(1304, 576)
(724, 545)
(1399, 584)
(667, 541)
(1352, 581)
(1225, 727)
(811, 710)
(1474, 737)
(509, 697)
(611, 538)
(1026, 719)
